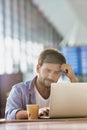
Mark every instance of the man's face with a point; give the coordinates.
(48, 73)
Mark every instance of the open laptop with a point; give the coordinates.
(68, 100)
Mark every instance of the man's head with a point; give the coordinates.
(49, 66)
(51, 55)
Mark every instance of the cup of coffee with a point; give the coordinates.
(32, 111)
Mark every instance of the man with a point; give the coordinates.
(51, 64)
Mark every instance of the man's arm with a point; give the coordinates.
(16, 103)
(66, 68)
(21, 114)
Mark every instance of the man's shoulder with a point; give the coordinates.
(22, 84)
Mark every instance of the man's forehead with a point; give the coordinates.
(51, 65)
(46, 64)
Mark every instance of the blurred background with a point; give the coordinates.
(29, 26)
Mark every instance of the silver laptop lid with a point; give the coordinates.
(68, 100)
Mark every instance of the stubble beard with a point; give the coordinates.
(44, 84)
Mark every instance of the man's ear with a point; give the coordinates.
(37, 68)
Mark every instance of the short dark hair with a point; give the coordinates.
(51, 55)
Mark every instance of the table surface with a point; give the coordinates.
(45, 124)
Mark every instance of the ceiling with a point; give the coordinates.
(68, 17)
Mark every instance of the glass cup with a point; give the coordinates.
(32, 111)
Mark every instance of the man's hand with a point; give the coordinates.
(44, 111)
(66, 68)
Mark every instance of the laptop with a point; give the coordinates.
(68, 100)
